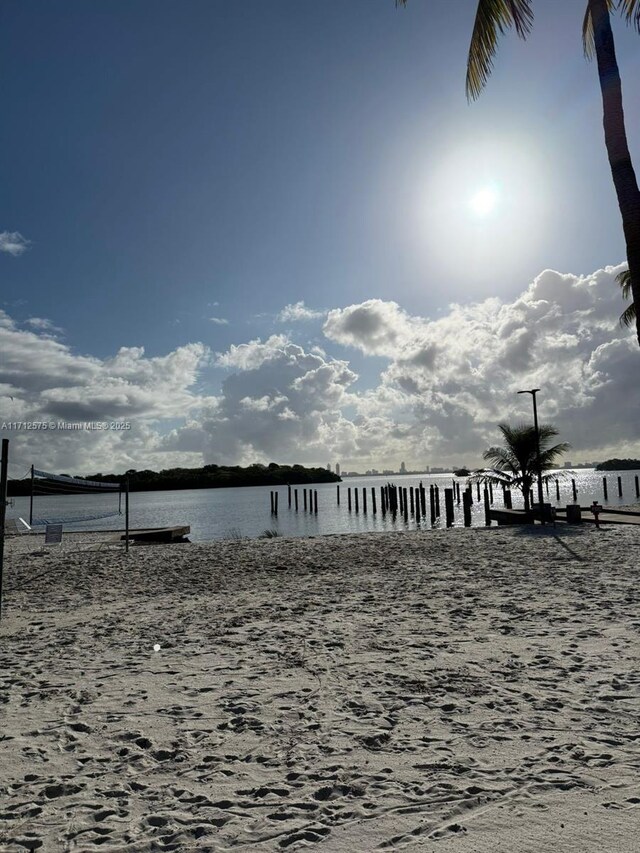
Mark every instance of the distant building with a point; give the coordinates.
(338, 468)
(403, 468)
(568, 465)
(328, 466)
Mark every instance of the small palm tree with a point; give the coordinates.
(515, 465)
(628, 316)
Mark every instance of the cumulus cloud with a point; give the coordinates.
(298, 312)
(458, 375)
(43, 380)
(219, 321)
(13, 243)
(446, 384)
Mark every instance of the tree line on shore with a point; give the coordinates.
(207, 477)
(619, 465)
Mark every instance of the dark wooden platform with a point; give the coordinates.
(160, 534)
(607, 516)
(511, 516)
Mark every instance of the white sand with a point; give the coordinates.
(460, 690)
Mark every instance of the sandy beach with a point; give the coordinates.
(458, 690)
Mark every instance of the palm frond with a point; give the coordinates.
(588, 38)
(493, 18)
(628, 316)
(631, 11)
(624, 280)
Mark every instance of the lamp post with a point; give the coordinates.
(533, 393)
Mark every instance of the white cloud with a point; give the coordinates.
(298, 312)
(43, 325)
(13, 243)
(220, 321)
(458, 375)
(446, 385)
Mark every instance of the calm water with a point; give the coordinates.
(231, 513)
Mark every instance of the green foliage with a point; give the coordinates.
(515, 464)
(208, 477)
(619, 465)
(628, 316)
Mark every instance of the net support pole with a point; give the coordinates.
(126, 515)
(3, 507)
(31, 498)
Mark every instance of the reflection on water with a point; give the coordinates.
(232, 513)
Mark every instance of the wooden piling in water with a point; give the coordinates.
(411, 502)
(364, 500)
(437, 494)
(448, 506)
(406, 503)
(432, 503)
(289, 495)
(271, 498)
(557, 490)
(423, 500)
(338, 493)
(295, 497)
(604, 487)
(574, 491)
(637, 487)
(304, 494)
(275, 497)
(466, 508)
(315, 502)
(383, 507)
(373, 500)
(349, 497)
(355, 494)
(619, 487)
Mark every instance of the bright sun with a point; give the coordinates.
(484, 201)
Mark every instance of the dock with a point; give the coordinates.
(606, 516)
(159, 534)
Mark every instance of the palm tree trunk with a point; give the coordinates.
(624, 178)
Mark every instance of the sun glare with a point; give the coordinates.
(484, 201)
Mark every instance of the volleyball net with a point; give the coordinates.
(44, 483)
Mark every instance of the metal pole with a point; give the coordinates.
(31, 499)
(535, 423)
(126, 515)
(3, 506)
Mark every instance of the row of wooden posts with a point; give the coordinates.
(412, 501)
(398, 500)
(574, 490)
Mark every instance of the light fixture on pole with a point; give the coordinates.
(533, 393)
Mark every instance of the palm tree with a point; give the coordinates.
(493, 17)
(628, 316)
(515, 465)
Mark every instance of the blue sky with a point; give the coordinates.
(173, 162)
